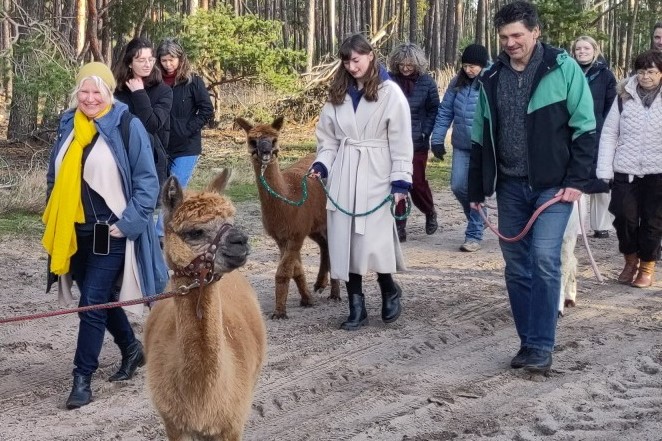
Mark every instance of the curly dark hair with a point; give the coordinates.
(121, 70)
(517, 11)
(648, 59)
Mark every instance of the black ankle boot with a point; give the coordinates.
(431, 224)
(81, 393)
(132, 358)
(358, 316)
(391, 305)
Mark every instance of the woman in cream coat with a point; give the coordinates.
(364, 147)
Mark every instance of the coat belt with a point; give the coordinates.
(354, 172)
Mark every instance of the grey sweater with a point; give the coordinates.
(513, 92)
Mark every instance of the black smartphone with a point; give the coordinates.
(101, 239)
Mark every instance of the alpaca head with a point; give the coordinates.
(262, 139)
(193, 220)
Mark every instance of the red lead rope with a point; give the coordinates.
(528, 224)
(110, 305)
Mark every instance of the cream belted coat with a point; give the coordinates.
(363, 152)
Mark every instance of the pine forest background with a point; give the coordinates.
(283, 47)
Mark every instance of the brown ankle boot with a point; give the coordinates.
(630, 270)
(645, 275)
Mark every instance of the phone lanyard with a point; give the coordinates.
(89, 196)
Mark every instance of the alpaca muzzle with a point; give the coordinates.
(265, 150)
(235, 248)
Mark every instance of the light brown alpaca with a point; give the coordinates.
(289, 225)
(205, 349)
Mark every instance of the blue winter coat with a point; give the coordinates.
(140, 186)
(423, 103)
(457, 107)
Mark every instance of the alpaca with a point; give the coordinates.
(204, 349)
(286, 224)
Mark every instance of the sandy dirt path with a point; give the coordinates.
(441, 372)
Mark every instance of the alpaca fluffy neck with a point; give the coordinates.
(202, 340)
(274, 178)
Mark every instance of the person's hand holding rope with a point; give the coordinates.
(569, 194)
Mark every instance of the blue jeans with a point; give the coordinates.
(460, 188)
(533, 264)
(96, 276)
(181, 168)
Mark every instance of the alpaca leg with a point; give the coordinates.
(299, 276)
(325, 268)
(282, 287)
(172, 432)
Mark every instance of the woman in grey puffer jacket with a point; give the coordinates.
(457, 107)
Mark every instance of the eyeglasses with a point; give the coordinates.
(406, 66)
(150, 60)
(648, 73)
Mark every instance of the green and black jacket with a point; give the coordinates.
(560, 126)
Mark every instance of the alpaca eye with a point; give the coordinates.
(193, 234)
(252, 143)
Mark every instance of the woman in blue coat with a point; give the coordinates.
(99, 229)
(458, 108)
(408, 67)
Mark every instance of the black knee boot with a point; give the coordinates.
(358, 316)
(81, 393)
(132, 358)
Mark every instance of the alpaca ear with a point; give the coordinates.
(241, 122)
(220, 181)
(172, 197)
(277, 123)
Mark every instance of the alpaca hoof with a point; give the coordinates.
(306, 303)
(279, 315)
(335, 290)
(569, 303)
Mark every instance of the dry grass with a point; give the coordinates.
(27, 192)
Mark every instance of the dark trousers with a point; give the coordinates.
(96, 276)
(420, 192)
(637, 210)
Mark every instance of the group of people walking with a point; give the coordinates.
(534, 125)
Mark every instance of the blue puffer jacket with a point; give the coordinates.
(139, 184)
(423, 103)
(457, 107)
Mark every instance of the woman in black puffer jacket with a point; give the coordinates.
(191, 110)
(408, 66)
(140, 86)
(603, 88)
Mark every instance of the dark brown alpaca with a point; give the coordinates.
(287, 224)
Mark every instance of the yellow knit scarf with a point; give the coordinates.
(64, 206)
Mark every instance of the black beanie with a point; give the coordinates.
(475, 54)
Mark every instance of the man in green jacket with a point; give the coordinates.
(532, 140)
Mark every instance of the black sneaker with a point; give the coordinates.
(538, 361)
(519, 360)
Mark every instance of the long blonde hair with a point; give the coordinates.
(590, 40)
